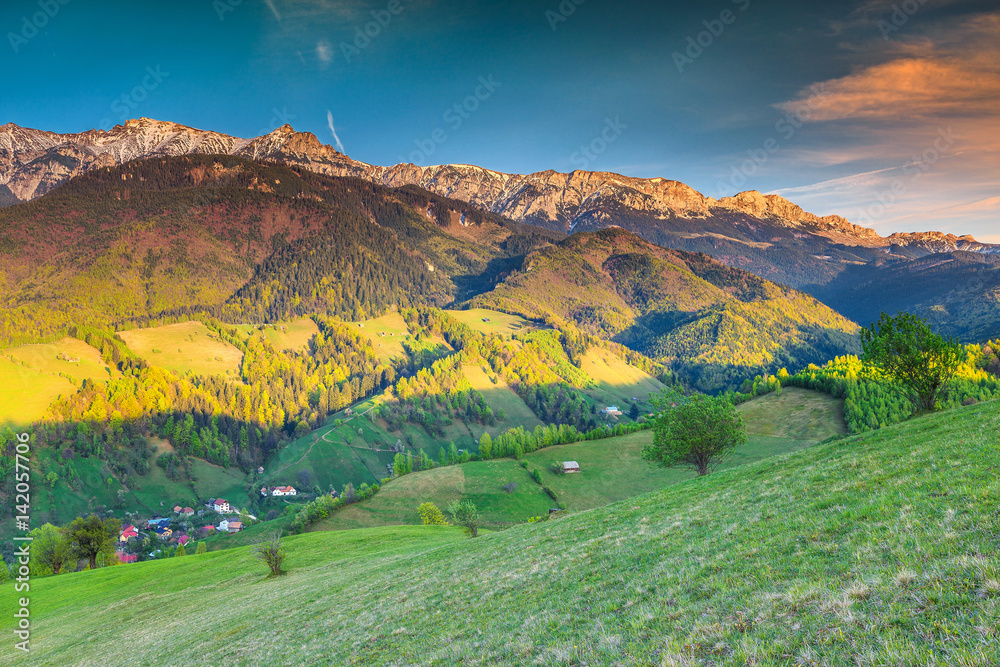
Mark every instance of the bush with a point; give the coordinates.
(510, 487)
(430, 515)
(556, 468)
(270, 551)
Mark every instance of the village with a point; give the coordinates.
(184, 525)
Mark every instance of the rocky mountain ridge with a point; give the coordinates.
(32, 162)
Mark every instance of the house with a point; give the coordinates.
(571, 466)
(187, 511)
(284, 491)
(177, 509)
(126, 558)
(230, 526)
(157, 522)
(128, 532)
(266, 490)
(612, 411)
(163, 531)
(183, 540)
(221, 506)
(260, 470)
(348, 412)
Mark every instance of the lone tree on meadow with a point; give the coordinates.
(698, 431)
(907, 352)
(270, 551)
(90, 536)
(465, 514)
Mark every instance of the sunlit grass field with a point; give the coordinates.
(284, 335)
(26, 393)
(184, 347)
(492, 321)
(872, 550)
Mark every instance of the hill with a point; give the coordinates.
(714, 324)
(612, 469)
(242, 241)
(878, 546)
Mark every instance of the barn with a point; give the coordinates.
(571, 466)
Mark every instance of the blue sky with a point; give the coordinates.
(883, 115)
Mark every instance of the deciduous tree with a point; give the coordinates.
(696, 431)
(905, 350)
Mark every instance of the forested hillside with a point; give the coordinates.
(713, 324)
(238, 240)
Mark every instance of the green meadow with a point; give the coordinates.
(870, 550)
(492, 322)
(284, 335)
(187, 347)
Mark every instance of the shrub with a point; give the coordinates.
(430, 515)
(270, 551)
(465, 514)
(556, 468)
(510, 487)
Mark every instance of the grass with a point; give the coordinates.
(187, 347)
(479, 481)
(618, 382)
(795, 413)
(284, 335)
(500, 396)
(26, 393)
(877, 549)
(334, 456)
(386, 334)
(492, 322)
(44, 358)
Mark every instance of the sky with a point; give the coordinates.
(882, 111)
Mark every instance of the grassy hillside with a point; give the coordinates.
(285, 335)
(488, 321)
(26, 393)
(479, 481)
(875, 550)
(186, 347)
(611, 469)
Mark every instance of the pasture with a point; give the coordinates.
(186, 347)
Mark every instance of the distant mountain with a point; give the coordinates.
(764, 234)
(714, 324)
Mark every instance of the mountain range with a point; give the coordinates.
(841, 263)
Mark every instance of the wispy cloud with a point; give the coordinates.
(333, 130)
(270, 5)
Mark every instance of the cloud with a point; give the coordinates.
(333, 130)
(324, 52)
(881, 127)
(270, 5)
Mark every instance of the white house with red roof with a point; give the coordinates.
(284, 491)
(221, 505)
